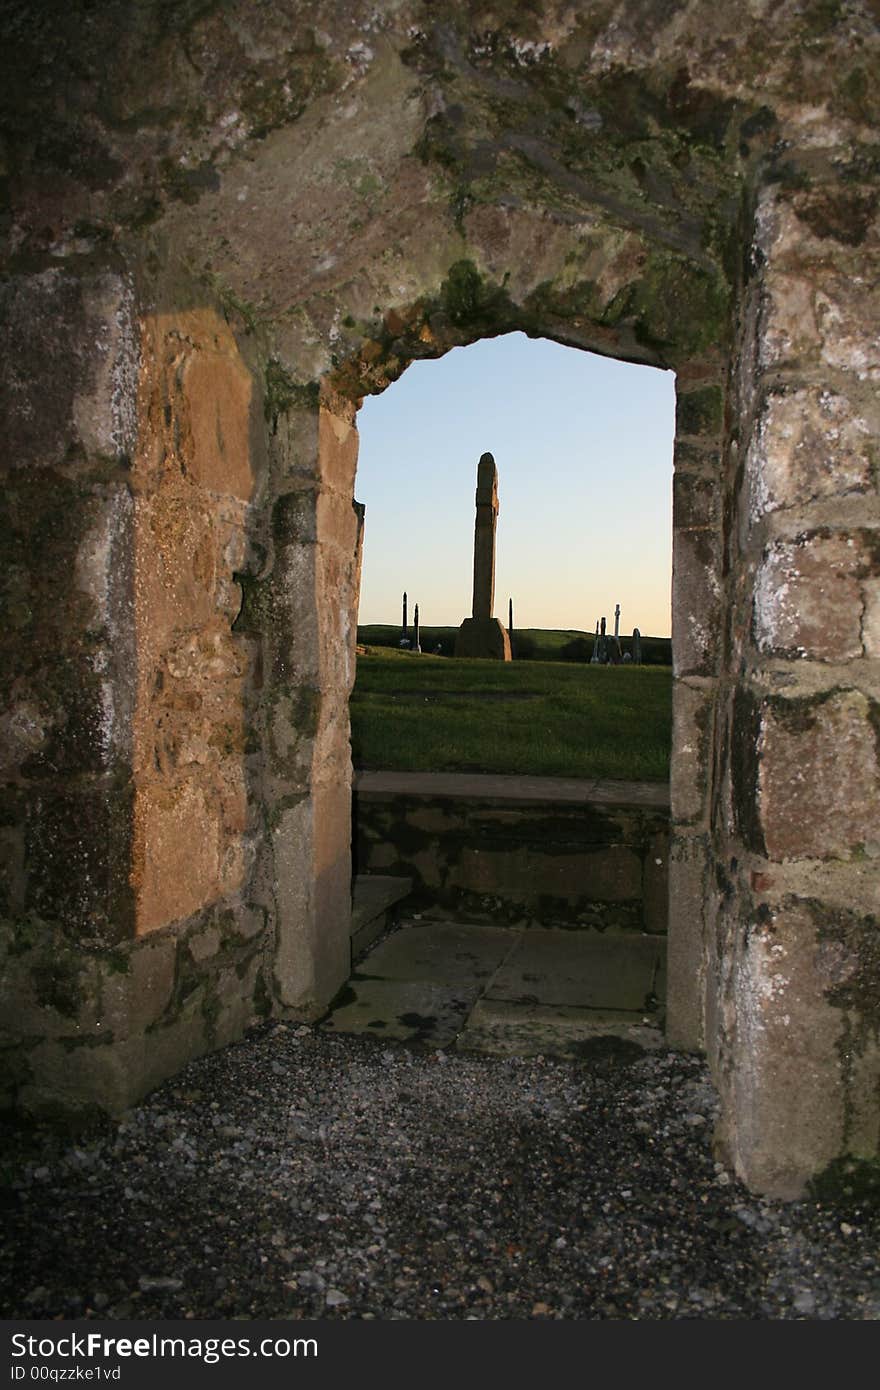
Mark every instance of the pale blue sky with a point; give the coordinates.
(583, 446)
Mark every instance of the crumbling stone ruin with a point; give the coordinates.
(228, 222)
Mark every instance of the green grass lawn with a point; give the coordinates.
(433, 713)
(530, 643)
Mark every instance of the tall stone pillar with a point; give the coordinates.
(482, 635)
(483, 604)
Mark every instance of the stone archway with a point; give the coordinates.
(264, 216)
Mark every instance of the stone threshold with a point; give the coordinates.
(489, 786)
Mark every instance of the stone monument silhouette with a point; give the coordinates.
(482, 634)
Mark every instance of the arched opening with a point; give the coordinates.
(330, 211)
(570, 837)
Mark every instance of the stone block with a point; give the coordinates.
(808, 597)
(218, 390)
(696, 602)
(49, 987)
(338, 451)
(692, 719)
(655, 885)
(623, 972)
(699, 412)
(177, 558)
(612, 874)
(204, 944)
(685, 960)
(70, 359)
(312, 847)
(12, 870)
(783, 1088)
(66, 649)
(871, 619)
(847, 312)
(231, 1009)
(74, 1085)
(819, 780)
(696, 501)
(133, 999)
(178, 831)
(483, 637)
(788, 327)
(78, 858)
(808, 444)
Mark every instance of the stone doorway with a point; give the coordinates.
(556, 857)
(210, 261)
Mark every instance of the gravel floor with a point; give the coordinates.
(303, 1175)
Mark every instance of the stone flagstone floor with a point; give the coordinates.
(506, 990)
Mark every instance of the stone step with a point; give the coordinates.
(372, 900)
(508, 991)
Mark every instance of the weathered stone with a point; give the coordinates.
(655, 885)
(80, 334)
(695, 501)
(808, 444)
(312, 846)
(810, 750)
(699, 412)
(294, 228)
(134, 996)
(483, 638)
(785, 1118)
(685, 952)
(789, 330)
(614, 875)
(696, 602)
(50, 988)
(77, 847)
(871, 619)
(176, 855)
(482, 635)
(807, 597)
(692, 715)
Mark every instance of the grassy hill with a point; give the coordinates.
(550, 718)
(530, 643)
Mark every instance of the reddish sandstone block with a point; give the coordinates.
(819, 780)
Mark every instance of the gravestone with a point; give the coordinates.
(637, 647)
(482, 635)
(404, 632)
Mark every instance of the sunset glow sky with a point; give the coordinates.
(583, 446)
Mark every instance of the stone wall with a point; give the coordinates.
(210, 253)
(796, 839)
(499, 857)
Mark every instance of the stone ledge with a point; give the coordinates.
(483, 786)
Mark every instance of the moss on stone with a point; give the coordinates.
(282, 393)
(848, 1181)
(211, 1012)
(699, 412)
(188, 185)
(262, 997)
(257, 604)
(798, 714)
(745, 735)
(269, 101)
(470, 301)
(674, 303)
